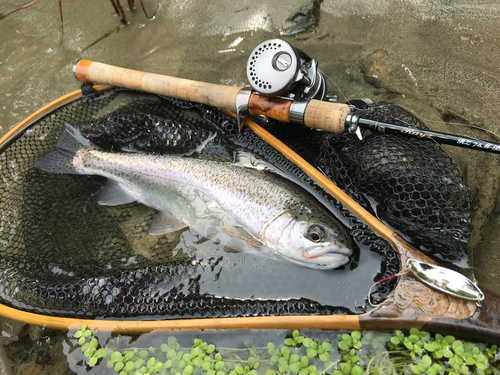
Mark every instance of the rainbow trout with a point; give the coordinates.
(210, 196)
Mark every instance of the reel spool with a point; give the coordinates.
(275, 68)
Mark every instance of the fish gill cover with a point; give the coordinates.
(61, 253)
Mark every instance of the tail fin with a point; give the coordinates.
(61, 161)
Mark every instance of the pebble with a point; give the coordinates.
(374, 69)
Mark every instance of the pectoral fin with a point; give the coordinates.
(241, 234)
(114, 194)
(164, 223)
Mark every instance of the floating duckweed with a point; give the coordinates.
(354, 353)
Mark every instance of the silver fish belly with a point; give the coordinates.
(251, 205)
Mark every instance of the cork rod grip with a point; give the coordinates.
(200, 92)
(318, 114)
(326, 116)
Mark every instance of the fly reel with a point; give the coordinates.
(275, 68)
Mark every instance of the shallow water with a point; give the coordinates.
(441, 63)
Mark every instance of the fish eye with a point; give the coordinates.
(315, 233)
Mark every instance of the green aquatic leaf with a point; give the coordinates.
(116, 356)
(325, 357)
(311, 353)
(158, 366)
(295, 367)
(459, 350)
(470, 361)
(188, 370)
(283, 360)
(129, 366)
(283, 367)
(431, 346)
(426, 361)
(138, 363)
(271, 348)
(449, 340)
(343, 345)
(326, 345)
(127, 356)
(171, 353)
(210, 349)
(414, 331)
(345, 368)
(93, 361)
(172, 341)
(251, 361)
(93, 343)
(285, 352)
(151, 362)
(415, 369)
(99, 353)
(118, 366)
(198, 361)
(206, 366)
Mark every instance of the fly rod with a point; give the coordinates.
(286, 85)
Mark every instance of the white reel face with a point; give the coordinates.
(272, 67)
(276, 68)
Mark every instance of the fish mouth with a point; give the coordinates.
(318, 251)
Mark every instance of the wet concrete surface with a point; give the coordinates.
(439, 59)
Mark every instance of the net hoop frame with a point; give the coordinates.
(386, 317)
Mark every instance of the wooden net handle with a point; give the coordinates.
(318, 114)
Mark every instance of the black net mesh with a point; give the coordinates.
(63, 254)
(416, 186)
